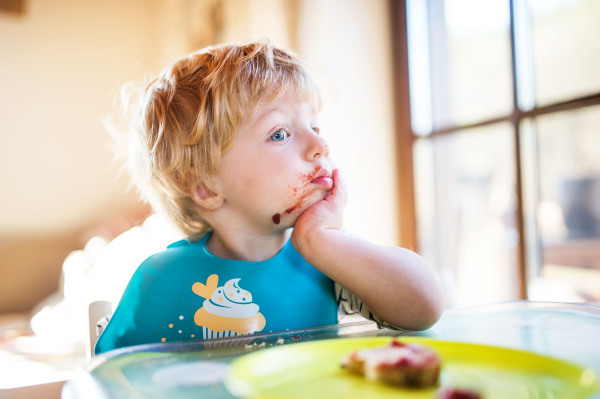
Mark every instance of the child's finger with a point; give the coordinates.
(338, 192)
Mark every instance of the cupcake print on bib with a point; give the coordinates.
(228, 310)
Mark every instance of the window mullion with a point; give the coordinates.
(522, 97)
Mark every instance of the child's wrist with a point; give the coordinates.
(310, 242)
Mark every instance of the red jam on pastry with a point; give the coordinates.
(409, 365)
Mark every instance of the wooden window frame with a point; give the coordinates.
(405, 137)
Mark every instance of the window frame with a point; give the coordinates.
(521, 111)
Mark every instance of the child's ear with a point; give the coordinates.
(206, 198)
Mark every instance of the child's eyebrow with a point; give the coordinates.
(268, 110)
(261, 114)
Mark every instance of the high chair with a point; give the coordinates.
(99, 313)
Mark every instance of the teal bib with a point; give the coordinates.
(185, 293)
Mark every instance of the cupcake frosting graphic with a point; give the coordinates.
(228, 310)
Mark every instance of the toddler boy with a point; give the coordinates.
(228, 145)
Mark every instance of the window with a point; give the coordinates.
(505, 137)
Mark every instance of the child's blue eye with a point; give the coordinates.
(279, 135)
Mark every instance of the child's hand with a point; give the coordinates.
(325, 214)
(394, 283)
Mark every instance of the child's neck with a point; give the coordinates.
(246, 247)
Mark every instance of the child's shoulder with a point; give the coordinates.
(178, 252)
(177, 244)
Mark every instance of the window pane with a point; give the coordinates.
(569, 206)
(466, 212)
(471, 77)
(419, 70)
(566, 49)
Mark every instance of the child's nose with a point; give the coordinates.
(317, 147)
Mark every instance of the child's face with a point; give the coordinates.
(277, 168)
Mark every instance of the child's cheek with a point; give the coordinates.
(299, 195)
(295, 197)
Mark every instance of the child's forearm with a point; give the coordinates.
(395, 283)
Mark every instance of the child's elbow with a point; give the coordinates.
(426, 310)
(432, 311)
(432, 307)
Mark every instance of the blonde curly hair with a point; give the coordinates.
(186, 120)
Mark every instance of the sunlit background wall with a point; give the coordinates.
(62, 63)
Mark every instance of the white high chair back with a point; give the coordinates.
(99, 313)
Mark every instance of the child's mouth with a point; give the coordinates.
(323, 181)
(321, 177)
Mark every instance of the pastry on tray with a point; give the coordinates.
(457, 393)
(410, 365)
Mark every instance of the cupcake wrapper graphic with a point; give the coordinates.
(220, 327)
(217, 340)
(209, 334)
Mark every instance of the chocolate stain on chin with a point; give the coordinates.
(300, 203)
(305, 181)
(276, 218)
